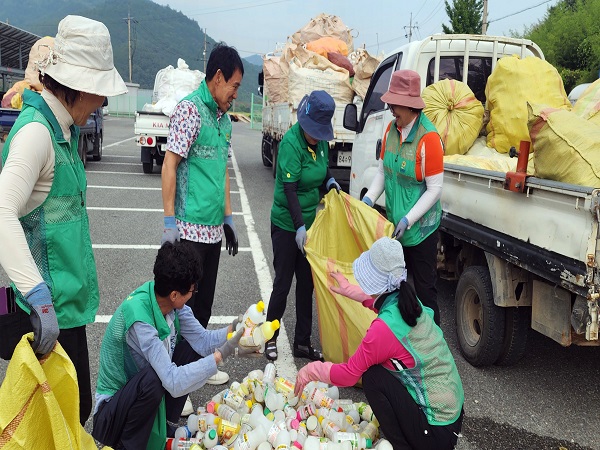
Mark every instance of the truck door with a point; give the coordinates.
(373, 119)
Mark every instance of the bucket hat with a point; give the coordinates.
(405, 90)
(315, 112)
(82, 58)
(381, 268)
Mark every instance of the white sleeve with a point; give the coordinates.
(377, 185)
(29, 166)
(427, 200)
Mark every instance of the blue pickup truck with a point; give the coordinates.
(90, 135)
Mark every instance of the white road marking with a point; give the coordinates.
(146, 247)
(114, 144)
(110, 155)
(116, 173)
(125, 188)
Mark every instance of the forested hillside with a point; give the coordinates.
(159, 35)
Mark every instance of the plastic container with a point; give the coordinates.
(253, 315)
(269, 374)
(306, 411)
(205, 421)
(313, 426)
(183, 432)
(358, 442)
(227, 412)
(384, 444)
(257, 419)
(371, 431)
(274, 431)
(329, 428)
(227, 430)
(274, 400)
(320, 398)
(366, 413)
(250, 440)
(264, 446)
(259, 335)
(315, 443)
(284, 386)
(210, 438)
(283, 440)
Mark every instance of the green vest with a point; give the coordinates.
(200, 186)
(117, 365)
(402, 189)
(434, 382)
(57, 231)
(296, 163)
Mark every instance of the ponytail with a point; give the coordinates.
(409, 306)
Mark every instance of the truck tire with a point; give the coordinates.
(275, 150)
(97, 153)
(148, 166)
(515, 335)
(480, 323)
(264, 151)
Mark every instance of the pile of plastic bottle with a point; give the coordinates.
(262, 412)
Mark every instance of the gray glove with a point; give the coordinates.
(400, 228)
(301, 238)
(43, 319)
(170, 232)
(235, 322)
(232, 347)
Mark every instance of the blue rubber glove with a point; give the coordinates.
(301, 238)
(332, 184)
(400, 228)
(43, 319)
(231, 240)
(367, 201)
(170, 232)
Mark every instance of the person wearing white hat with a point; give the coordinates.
(411, 172)
(408, 373)
(46, 248)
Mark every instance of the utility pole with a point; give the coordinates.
(484, 23)
(129, 19)
(204, 51)
(410, 29)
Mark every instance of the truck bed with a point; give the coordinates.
(151, 123)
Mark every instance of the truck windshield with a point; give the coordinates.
(379, 85)
(451, 67)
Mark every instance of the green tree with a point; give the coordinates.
(465, 17)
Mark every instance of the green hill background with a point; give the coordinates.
(159, 35)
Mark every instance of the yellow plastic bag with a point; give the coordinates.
(588, 105)
(344, 229)
(456, 114)
(39, 402)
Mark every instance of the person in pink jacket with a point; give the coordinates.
(408, 374)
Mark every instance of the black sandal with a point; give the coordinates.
(271, 350)
(306, 351)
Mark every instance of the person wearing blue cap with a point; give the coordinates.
(301, 170)
(408, 373)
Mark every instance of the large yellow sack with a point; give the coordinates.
(567, 147)
(344, 229)
(39, 402)
(512, 84)
(322, 26)
(326, 45)
(455, 112)
(588, 105)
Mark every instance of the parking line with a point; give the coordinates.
(147, 247)
(126, 188)
(118, 143)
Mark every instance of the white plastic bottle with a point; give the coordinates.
(210, 438)
(315, 443)
(253, 315)
(206, 420)
(282, 442)
(183, 432)
(269, 374)
(259, 335)
(274, 400)
(257, 419)
(319, 398)
(358, 442)
(251, 439)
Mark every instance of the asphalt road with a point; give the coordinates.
(548, 400)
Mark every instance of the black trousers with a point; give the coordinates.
(421, 262)
(73, 341)
(402, 421)
(287, 261)
(201, 302)
(127, 419)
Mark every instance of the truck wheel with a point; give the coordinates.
(82, 149)
(97, 148)
(264, 147)
(147, 166)
(275, 150)
(479, 322)
(515, 335)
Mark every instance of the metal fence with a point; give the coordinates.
(126, 105)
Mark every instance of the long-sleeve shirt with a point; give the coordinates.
(147, 349)
(25, 182)
(379, 346)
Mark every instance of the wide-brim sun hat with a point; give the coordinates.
(82, 58)
(382, 268)
(315, 112)
(405, 90)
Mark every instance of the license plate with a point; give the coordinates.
(344, 159)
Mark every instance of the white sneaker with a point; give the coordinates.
(218, 378)
(188, 408)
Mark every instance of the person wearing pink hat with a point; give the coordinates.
(409, 375)
(411, 172)
(46, 247)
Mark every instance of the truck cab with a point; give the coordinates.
(468, 58)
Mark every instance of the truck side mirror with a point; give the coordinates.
(350, 117)
(261, 78)
(105, 102)
(260, 90)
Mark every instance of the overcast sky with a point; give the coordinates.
(382, 25)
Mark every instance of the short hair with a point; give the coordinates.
(58, 89)
(225, 58)
(176, 268)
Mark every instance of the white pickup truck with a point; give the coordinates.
(151, 129)
(522, 259)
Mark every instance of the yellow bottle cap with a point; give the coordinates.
(260, 306)
(275, 324)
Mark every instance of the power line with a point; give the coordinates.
(519, 12)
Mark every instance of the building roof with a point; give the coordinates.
(14, 46)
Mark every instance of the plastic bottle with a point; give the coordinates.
(183, 432)
(260, 334)
(184, 444)
(292, 423)
(306, 411)
(274, 431)
(282, 442)
(257, 419)
(227, 412)
(333, 392)
(366, 412)
(319, 398)
(258, 392)
(210, 438)
(269, 374)
(284, 386)
(253, 316)
(227, 430)
(353, 414)
(232, 399)
(313, 426)
(205, 421)
(192, 423)
(315, 443)
(251, 439)
(384, 444)
(264, 446)
(274, 400)
(371, 431)
(357, 441)
(329, 428)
